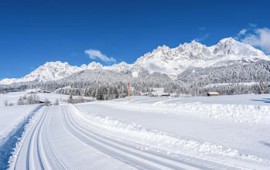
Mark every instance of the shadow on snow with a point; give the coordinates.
(264, 100)
(7, 148)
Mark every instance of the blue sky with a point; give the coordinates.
(33, 32)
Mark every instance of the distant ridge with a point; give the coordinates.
(165, 60)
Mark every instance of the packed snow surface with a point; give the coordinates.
(223, 132)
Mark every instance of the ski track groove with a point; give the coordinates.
(43, 138)
(30, 152)
(60, 161)
(36, 147)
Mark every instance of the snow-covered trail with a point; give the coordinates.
(50, 143)
(226, 133)
(60, 137)
(34, 150)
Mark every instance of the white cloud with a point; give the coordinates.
(97, 55)
(252, 25)
(202, 35)
(202, 38)
(242, 32)
(257, 37)
(202, 28)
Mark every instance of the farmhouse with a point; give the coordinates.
(212, 94)
(158, 92)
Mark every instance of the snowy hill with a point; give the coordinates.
(165, 60)
(52, 71)
(91, 66)
(47, 72)
(237, 73)
(96, 75)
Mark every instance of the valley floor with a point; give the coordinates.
(224, 132)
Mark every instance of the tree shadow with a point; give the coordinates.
(265, 143)
(264, 100)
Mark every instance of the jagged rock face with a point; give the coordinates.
(49, 71)
(173, 61)
(165, 60)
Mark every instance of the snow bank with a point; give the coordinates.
(11, 136)
(11, 118)
(147, 139)
(232, 112)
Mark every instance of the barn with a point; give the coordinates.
(212, 94)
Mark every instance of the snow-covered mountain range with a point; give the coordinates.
(173, 61)
(170, 61)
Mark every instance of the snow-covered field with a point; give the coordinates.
(224, 132)
(12, 98)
